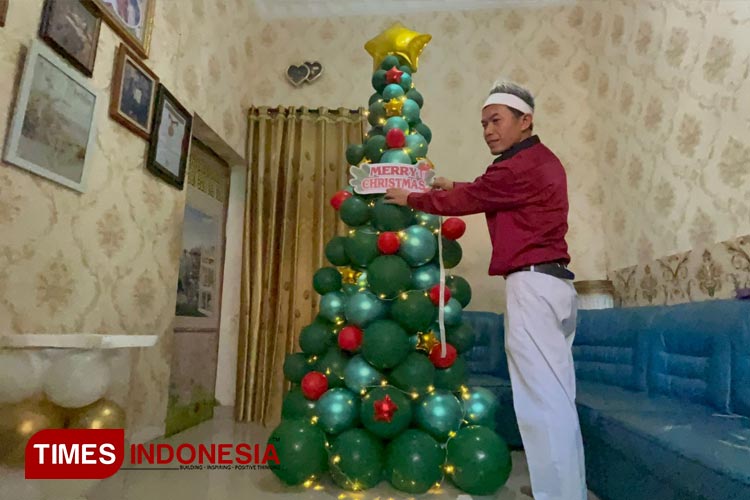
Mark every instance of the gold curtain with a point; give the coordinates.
(296, 163)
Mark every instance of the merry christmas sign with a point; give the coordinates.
(374, 178)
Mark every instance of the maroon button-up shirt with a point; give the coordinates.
(524, 196)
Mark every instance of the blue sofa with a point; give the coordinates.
(663, 397)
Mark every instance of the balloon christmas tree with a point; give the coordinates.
(376, 394)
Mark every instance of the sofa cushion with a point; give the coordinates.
(488, 354)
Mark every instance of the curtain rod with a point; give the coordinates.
(312, 111)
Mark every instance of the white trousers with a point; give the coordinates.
(540, 327)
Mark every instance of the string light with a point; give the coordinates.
(449, 469)
(452, 434)
(383, 383)
(336, 459)
(314, 420)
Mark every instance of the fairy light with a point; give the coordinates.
(309, 482)
(336, 459)
(449, 469)
(314, 420)
(430, 389)
(383, 383)
(363, 392)
(414, 395)
(404, 296)
(452, 434)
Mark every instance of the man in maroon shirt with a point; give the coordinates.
(524, 197)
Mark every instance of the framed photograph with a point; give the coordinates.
(72, 29)
(3, 11)
(170, 139)
(134, 89)
(131, 19)
(53, 128)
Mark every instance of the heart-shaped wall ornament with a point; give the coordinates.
(298, 74)
(316, 69)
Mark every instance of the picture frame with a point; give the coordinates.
(134, 89)
(132, 20)
(3, 11)
(53, 129)
(170, 139)
(71, 27)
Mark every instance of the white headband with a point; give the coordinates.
(510, 100)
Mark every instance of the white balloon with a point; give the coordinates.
(20, 376)
(77, 379)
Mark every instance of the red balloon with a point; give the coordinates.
(395, 138)
(339, 198)
(350, 338)
(435, 295)
(454, 228)
(388, 243)
(314, 385)
(439, 361)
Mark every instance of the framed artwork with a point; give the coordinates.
(3, 11)
(134, 89)
(170, 139)
(72, 29)
(53, 128)
(131, 19)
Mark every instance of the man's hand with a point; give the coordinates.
(442, 183)
(396, 196)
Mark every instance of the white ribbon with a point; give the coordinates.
(510, 100)
(441, 306)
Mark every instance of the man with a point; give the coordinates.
(524, 197)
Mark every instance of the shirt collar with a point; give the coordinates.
(517, 148)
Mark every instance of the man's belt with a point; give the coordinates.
(556, 269)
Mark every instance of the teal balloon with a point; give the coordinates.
(393, 91)
(355, 153)
(362, 280)
(396, 122)
(452, 253)
(389, 275)
(338, 410)
(377, 115)
(414, 462)
(452, 378)
(460, 336)
(375, 147)
(296, 366)
(425, 277)
(430, 221)
(301, 450)
(336, 251)
(355, 211)
(333, 365)
(316, 337)
(385, 344)
(327, 279)
(362, 247)
(360, 375)
(406, 82)
(415, 374)
(453, 313)
(388, 217)
(389, 62)
(415, 96)
(349, 289)
(363, 308)
(415, 312)
(396, 156)
(356, 460)
(416, 145)
(332, 306)
(410, 111)
(480, 407)
(375, 98)
(379, 81)
(425, 131)
(460, 289)
(406, 68)
(414, 341)
(400, 419)
(418, 245)
(296, 405)
(439, 414)
(481, 460)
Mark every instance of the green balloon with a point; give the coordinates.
(415, 374)
(393, 91)
(389, 62)
(400, 419)
(301, 450)
(396, 156)
(385, 344)
(356, 460)
(410, 110)
(296, 405)
(377, 114)
(452, 253)
(375, 98)
(315, 338)
(480, 407)
(415, 96)
(296, 366)
(452, 378)
(327, 279)
(416, 145)
(355, 211)
(387, 217)
(363, 308)
(418, 245)
(362, 247)
(414, 311)
(375, 147)
(481, 460)
(439, 413)
(429, 221)
(396, 122)
(379, 81)
(332, 306)
(460, 336)
(425, 277)
(333, 365)
(389, 275)
(355, 153)
(405, 68)
(406, 82)
(425, 131)
(453, 313)
(338, 410)
(360, 375)
(460, 289)
(336, 251)
(374, 132)
(414, 462)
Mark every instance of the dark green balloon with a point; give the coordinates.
(296, 405)
(425, 131)
(400, 419)
(379, 81)
(301, 449)
(356, 460)
(415, 96)
(385, 344)
(414, 462)
(453, 377)
(461, 337)
(481, 460)
(389, 275)
(375, 98)
(355, 211)
(327, 279)
(387, 217)
(415, 312)
(355, 153)
(374, 132)
(460, 289)
(362, 247)
(375, 147)
(416, 145)
(315, 338)
(410, 110)
(377, 114)
(296, 366)
(389, 62)
(336, 251)
(405, 68)
(415, 374)
(333, 365)
(452, 253)
(396, 156)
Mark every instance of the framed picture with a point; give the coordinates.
(134, 89)
(3, 11)
(53, 128)
(72, 29)
(131, 19)
(170, 139)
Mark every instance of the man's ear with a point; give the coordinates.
(526, 121)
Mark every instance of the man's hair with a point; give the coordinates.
(508, 87)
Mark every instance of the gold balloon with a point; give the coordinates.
(427, 341)
(349, 276)
(19, 422)
(398, 40)
(103, 414)
(394, 107)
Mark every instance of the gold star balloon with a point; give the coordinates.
(394, 107)
(427, 341)
(400, 41)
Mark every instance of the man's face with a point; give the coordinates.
(502, 129)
